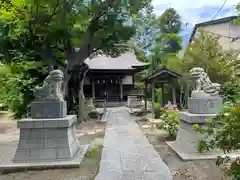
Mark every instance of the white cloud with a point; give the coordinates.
(190, 10)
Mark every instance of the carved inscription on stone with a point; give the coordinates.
(208, 105)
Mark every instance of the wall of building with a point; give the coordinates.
(127, 80)
(224, 29)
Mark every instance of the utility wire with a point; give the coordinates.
(229, 37)
(219, 9)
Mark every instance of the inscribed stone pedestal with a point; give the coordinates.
(48, 109)
(204, 104)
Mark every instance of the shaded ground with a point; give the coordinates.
(181, 170)
(88, 169)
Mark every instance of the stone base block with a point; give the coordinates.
(195, 118)
(73, 163)
(190, 155)
(185, 144)
(205, 105)
(48, 109)
(44, 140)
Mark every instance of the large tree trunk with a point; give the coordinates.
(81, 97)
(75, 96)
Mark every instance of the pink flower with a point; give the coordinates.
(169, 104)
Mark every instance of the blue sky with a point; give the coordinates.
(195, 11)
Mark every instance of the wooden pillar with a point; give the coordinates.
(173, 93)
(121, 89)
(162, 87)
(153, 95)
(133, 81)
(145, 98)
(93, 89)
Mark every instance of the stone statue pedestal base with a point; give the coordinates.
(205, 105)
(47, 140)
(187, 138)
(185, 144)
(48, 109)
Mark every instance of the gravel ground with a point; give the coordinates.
(181, 170)
(88, 168)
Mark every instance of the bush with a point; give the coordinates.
(16, 85)
(230, 91)
(223, 132)
(171, 119)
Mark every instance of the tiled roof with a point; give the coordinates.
(125, 61)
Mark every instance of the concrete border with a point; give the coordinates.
(186, 156)
(74, 163)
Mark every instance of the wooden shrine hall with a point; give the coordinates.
(112, 79)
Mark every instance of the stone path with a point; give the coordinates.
(127, 154)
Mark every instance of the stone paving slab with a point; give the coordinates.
(127, 154)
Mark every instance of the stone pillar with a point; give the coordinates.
(121, 89)
(93, 89)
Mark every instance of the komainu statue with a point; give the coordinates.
(51, 88)
(203, 84)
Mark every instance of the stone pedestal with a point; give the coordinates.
(48, 109)
(200, 109)
(205, 105)
(187, 137)
(44, 140)
(48, 138)
(132, 101)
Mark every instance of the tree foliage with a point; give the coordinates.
(167, 40)
(17, 83)
(58, 30)
(145, 23)
(206, 52)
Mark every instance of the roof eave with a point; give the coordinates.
(163, 70)
(217, 21)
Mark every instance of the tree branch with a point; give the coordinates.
(88, 45)
(55, 11)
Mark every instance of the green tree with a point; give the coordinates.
(145, 23)
(56, 30)
(206, 52)
(167, 40)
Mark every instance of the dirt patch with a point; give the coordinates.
(181, 170)
(88, 168)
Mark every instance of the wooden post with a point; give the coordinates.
(145, 99)
(153, 95)
(121, 89)
(93, 89)
(162, 87)
(173, 93)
